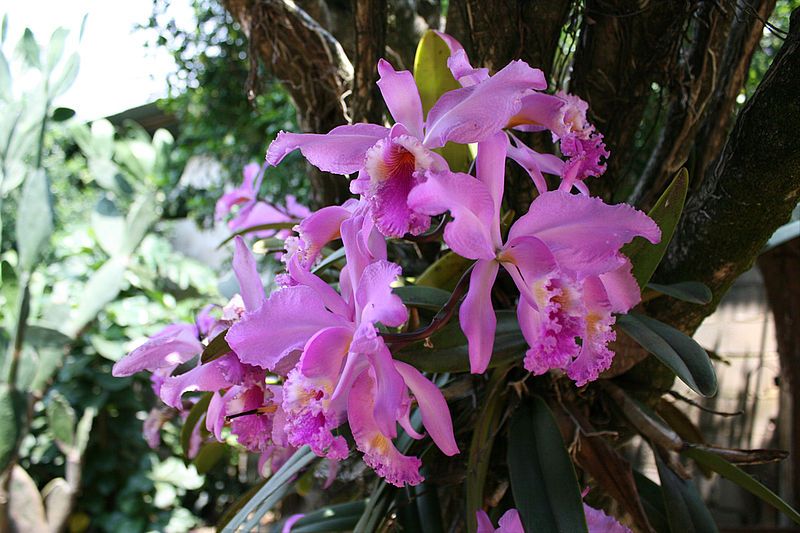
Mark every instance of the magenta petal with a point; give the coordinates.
(527, 259)
(622, 288)
(218, 374)
(595, 356)
(470, 203)
(510, 522)
(477, 318)
(432, 405)
(401, 96)
(584, 233)
(472, 114)
(374, 296)
(389, 391)
(327, 294)
(484, 523)
(599, 522)
(379, 451)
(283, 323)
(173, 345)
(341, 151)
(536, 164)
(324, 353)
(490, 169)
(244, 266)
(256, 214)
(317, 230)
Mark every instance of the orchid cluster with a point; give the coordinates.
(312, 363)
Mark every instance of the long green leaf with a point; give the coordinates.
(686, 510)
(34, 219)
(644, 256)
(678, 352)
(216, 348)
(652, 502)
(445, 272)
(687, 291)
(447, 350)
(735, 474)
(103, 286)
(12, 412)
(209, 455)
(339, 517)
(429, 298)
(543, 481)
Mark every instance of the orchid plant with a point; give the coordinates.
(341, 365)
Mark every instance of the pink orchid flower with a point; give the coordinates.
(254, 212)
(345, 370)
(390, 162)
(596, 521)
(563, 255)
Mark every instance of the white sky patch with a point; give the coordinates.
(117, 71)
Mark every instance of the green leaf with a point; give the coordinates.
(652, 502)
(25, 507)
(680, 353)
(142, 215)
(55, 48)
(209, 455)
(431, 74)
(60, 114)
(445, 272)
(543, 481)
(61, 419)
(645, 256)
(47, 348)
(68, 75)
(339, 517)
(423, 297)
(216, 348)
(34, 219)
(264, 499)
(687, 512)
(260, 227)
(687, 291)
(5, 78)
(195, 413)
(28, 49)
(447, 350)
(84, 429)
(13, 407)
(102, 288)
(108, 226)
(735, 474)
(333, 257)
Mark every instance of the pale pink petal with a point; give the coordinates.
(282, 324)
(484, 523)
(215, 415)
(472, 114)
(295, 208)
(432, 406)
(510, 522)
(490, 167)
(324, 353)
(290, 522)
(389, 391)
(527, 260)
(595, 356)
(599, 522)
(586, 158)
(379, 451)
(218, 374)
(327, 294)
(317, 230)
(476, 315)
(470, 203)
(257, 214)
(341, 151)
(374, 297)
(244, 266)
(459, 64)
(401, 96)
(584, 233)
(536, 164)
(173, 345)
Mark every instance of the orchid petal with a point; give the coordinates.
(244, 266)
(173, 345)
(401, 96)
(327, 294)
(595, 357)
(318, 229)
(432, 406)
(283, 323)
(484, 523)
(622, 288)
(374, 297)
(536, 164)
(469, 202)
(340, 151)
(527, 259)
(459, 64)
(256, 214)
(584, 233)
(477, 318)
(389, 391)
(218, 374)
(324, 353)
(472, 114)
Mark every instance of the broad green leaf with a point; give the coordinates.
(680, 353)
(652, 502)
(209, 455)
(445, 272)
(61, 419)
(234, 508)
(46, 348)
(543, 481)
(28, 49)
(25, 507)
(431, 74)
(60, 114)
(13, 407)
(142, 215)
(195, 413)
(264, 499)
(735, 474)
(217, 347)
(34, 219)
(447, 349)
(103, 287)
(339, 517)
(687, 512)
(423, 297)
(260, 227)
(645, 256)
(687, 291)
